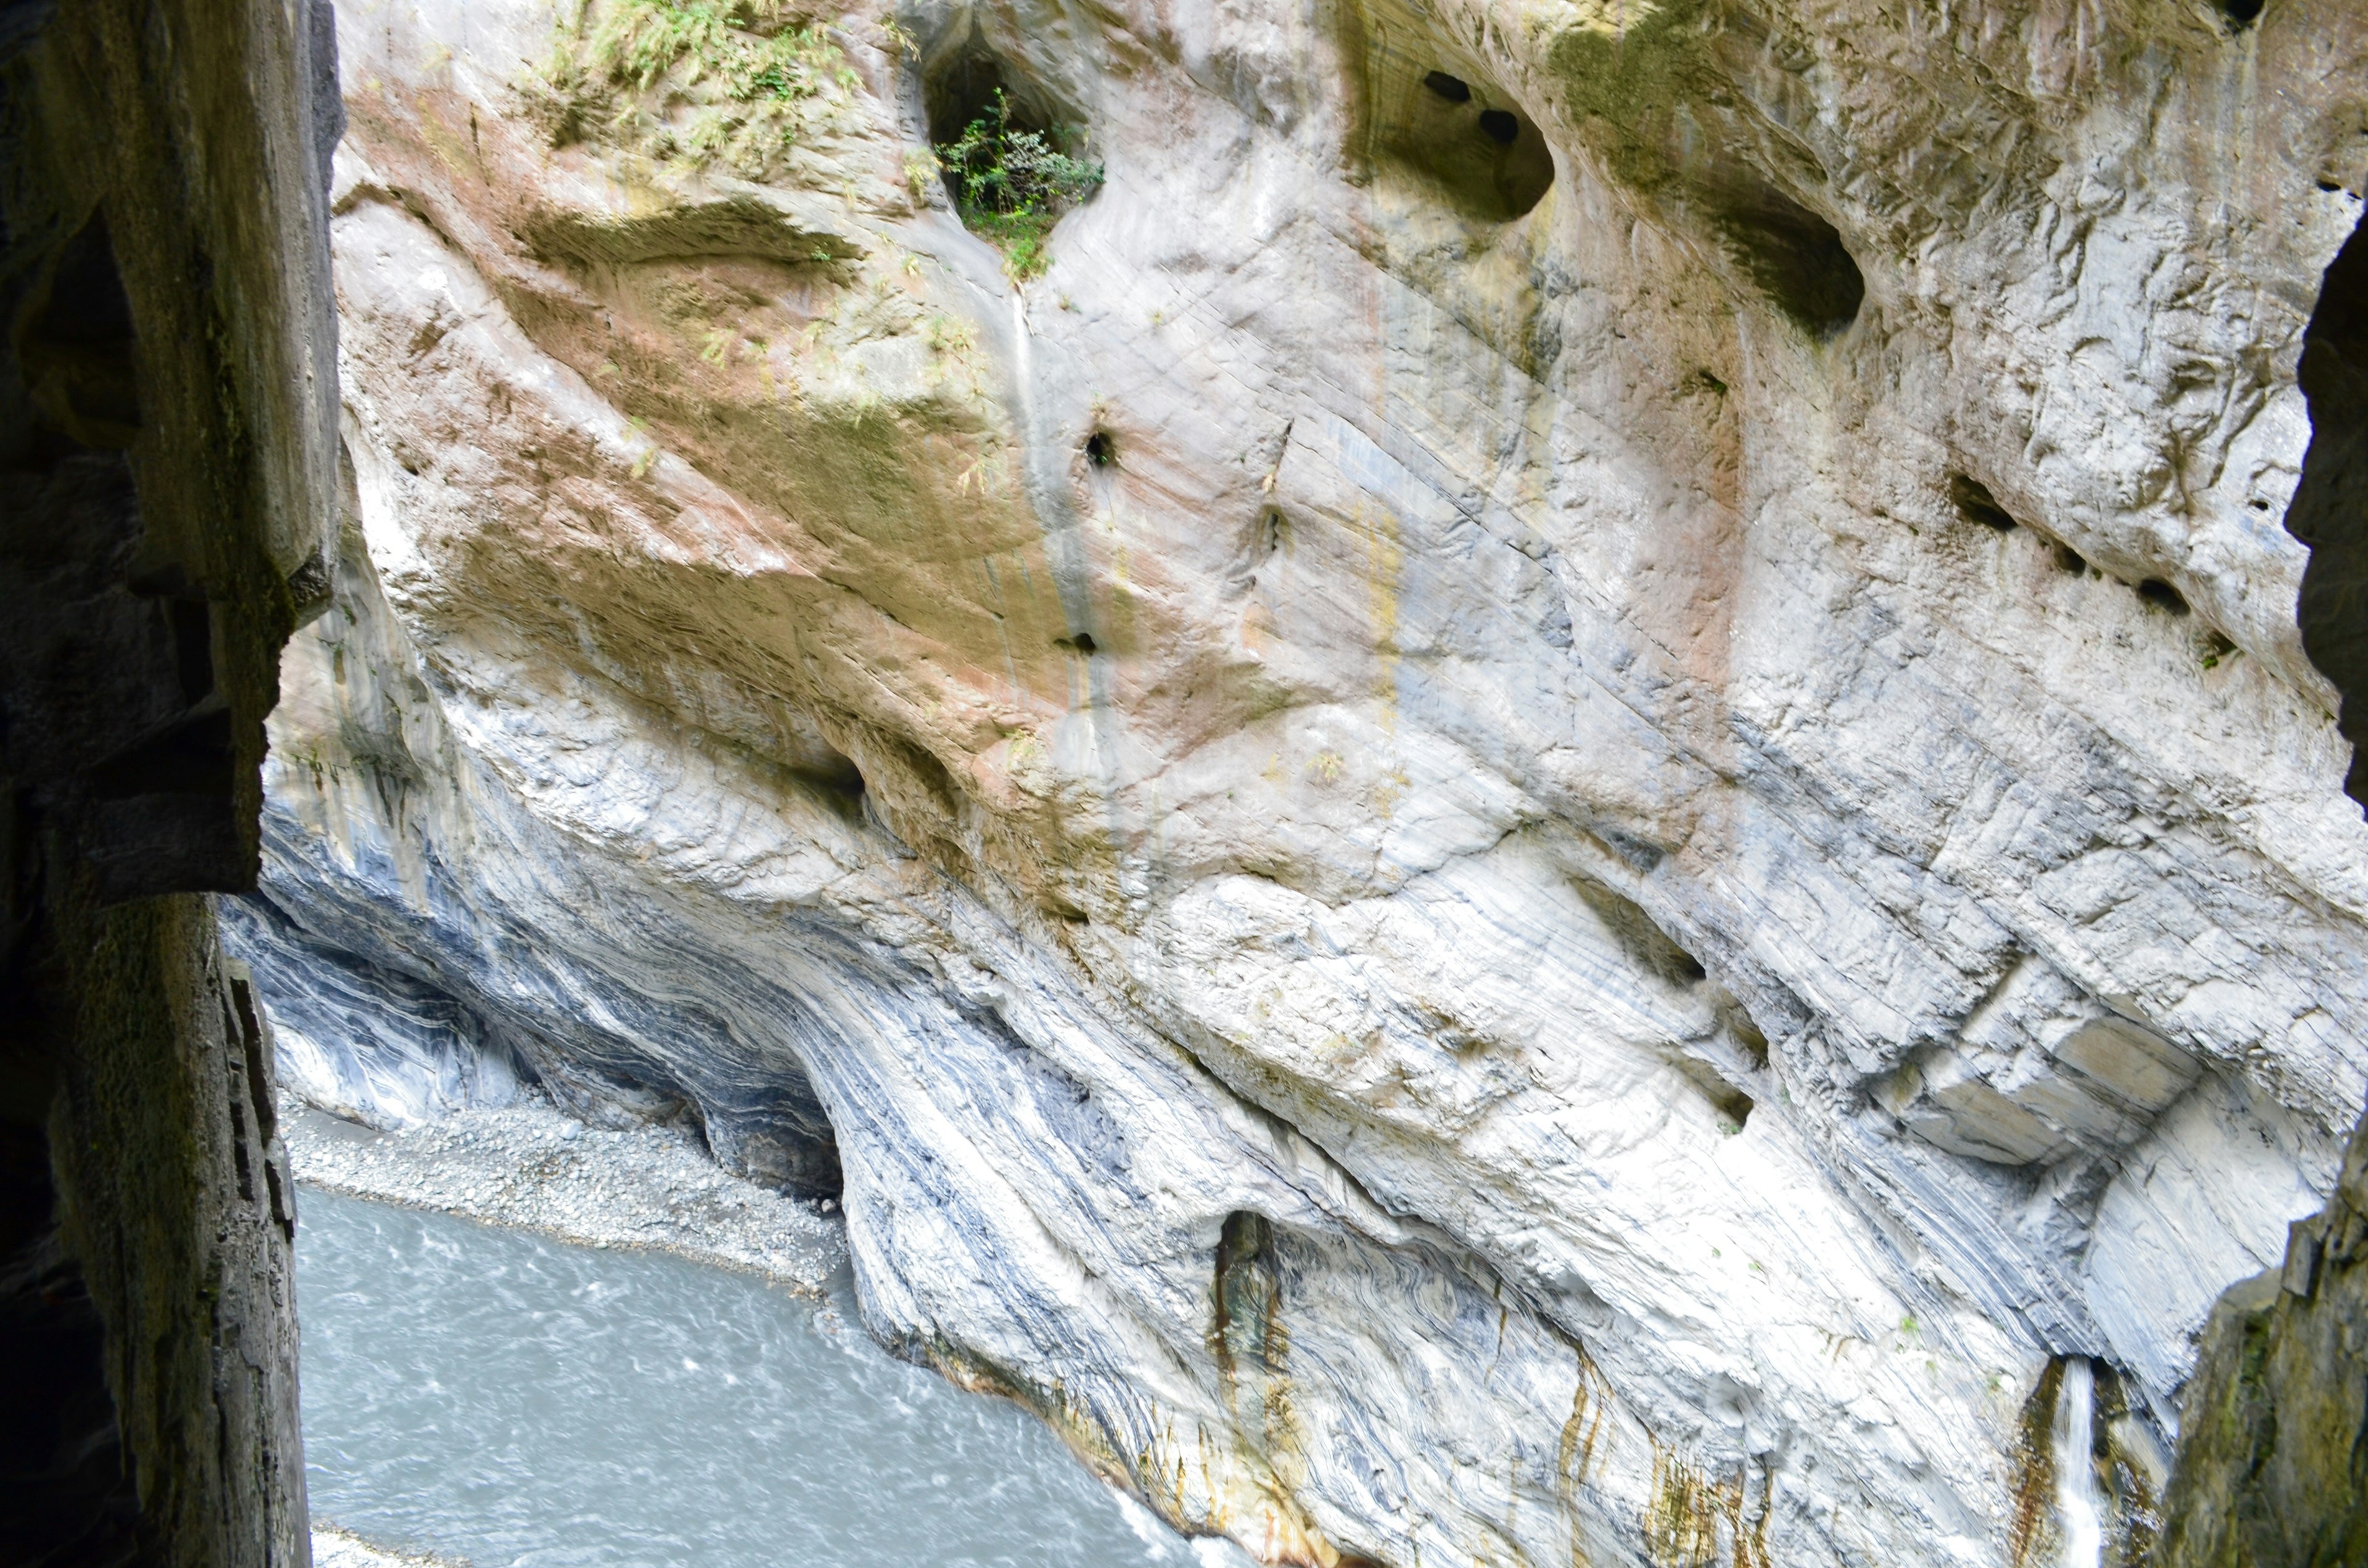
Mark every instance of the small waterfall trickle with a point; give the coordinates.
(2075, 1475)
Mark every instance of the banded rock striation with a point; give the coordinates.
(1561, 812)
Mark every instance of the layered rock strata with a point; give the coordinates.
(1568, 810)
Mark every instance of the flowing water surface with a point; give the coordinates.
(496, 1397)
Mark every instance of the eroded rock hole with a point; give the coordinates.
(1732, 1106)
(2162, 596)
(1451, 132)
(963, 90)
(810, 757)
(1012, 160)
(1975, 503)
(1082, 642)
(1641, 939)
(1796, 258)
(1748, 1036)
(1100, 449)
(2240, 14)
(76, 350)
(1246, 1333)
(2070, 560)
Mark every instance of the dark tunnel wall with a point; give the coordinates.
(2329, 512)
(167, 383)
(2273, 1466)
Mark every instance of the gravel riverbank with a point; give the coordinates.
(529, 1165)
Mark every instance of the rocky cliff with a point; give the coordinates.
(168, 430)
(1558, 802)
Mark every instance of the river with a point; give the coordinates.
(492, 1396)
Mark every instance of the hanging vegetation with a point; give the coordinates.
(700, 82)
(1011, 185)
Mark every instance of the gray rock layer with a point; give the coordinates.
(1569, 837)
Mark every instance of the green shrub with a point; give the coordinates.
(1011, 186)
(752, 86)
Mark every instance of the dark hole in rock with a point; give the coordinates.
(78, 346)
(1101, 450)
(932, 776)
(2329, 511)
(1747, 1037)
(1640, 937)
(1246, 1331)
(2070, 560)
(809, 755)
(2241, 13)
(1734, 1107)
(786, 1142)
(1082, 642)
(2162, 596)
(840, 778)
(86, 307)
(963, 88)
(1418, 122)
(1795, 256)
(1976, 505)
(1023, 168)
(193, 757)
(193, 648)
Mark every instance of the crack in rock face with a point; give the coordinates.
(1561, 807)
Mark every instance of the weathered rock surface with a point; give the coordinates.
(1553, 849)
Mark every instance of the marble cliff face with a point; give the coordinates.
(1563, 847)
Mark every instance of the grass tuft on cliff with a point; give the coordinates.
(1012, 184)
(697, 81)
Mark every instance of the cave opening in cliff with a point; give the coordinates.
(1426, 115)
(1796, 255)
(1975, 503)
(1467, 143)
(2330, 510)
(1012, 159)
